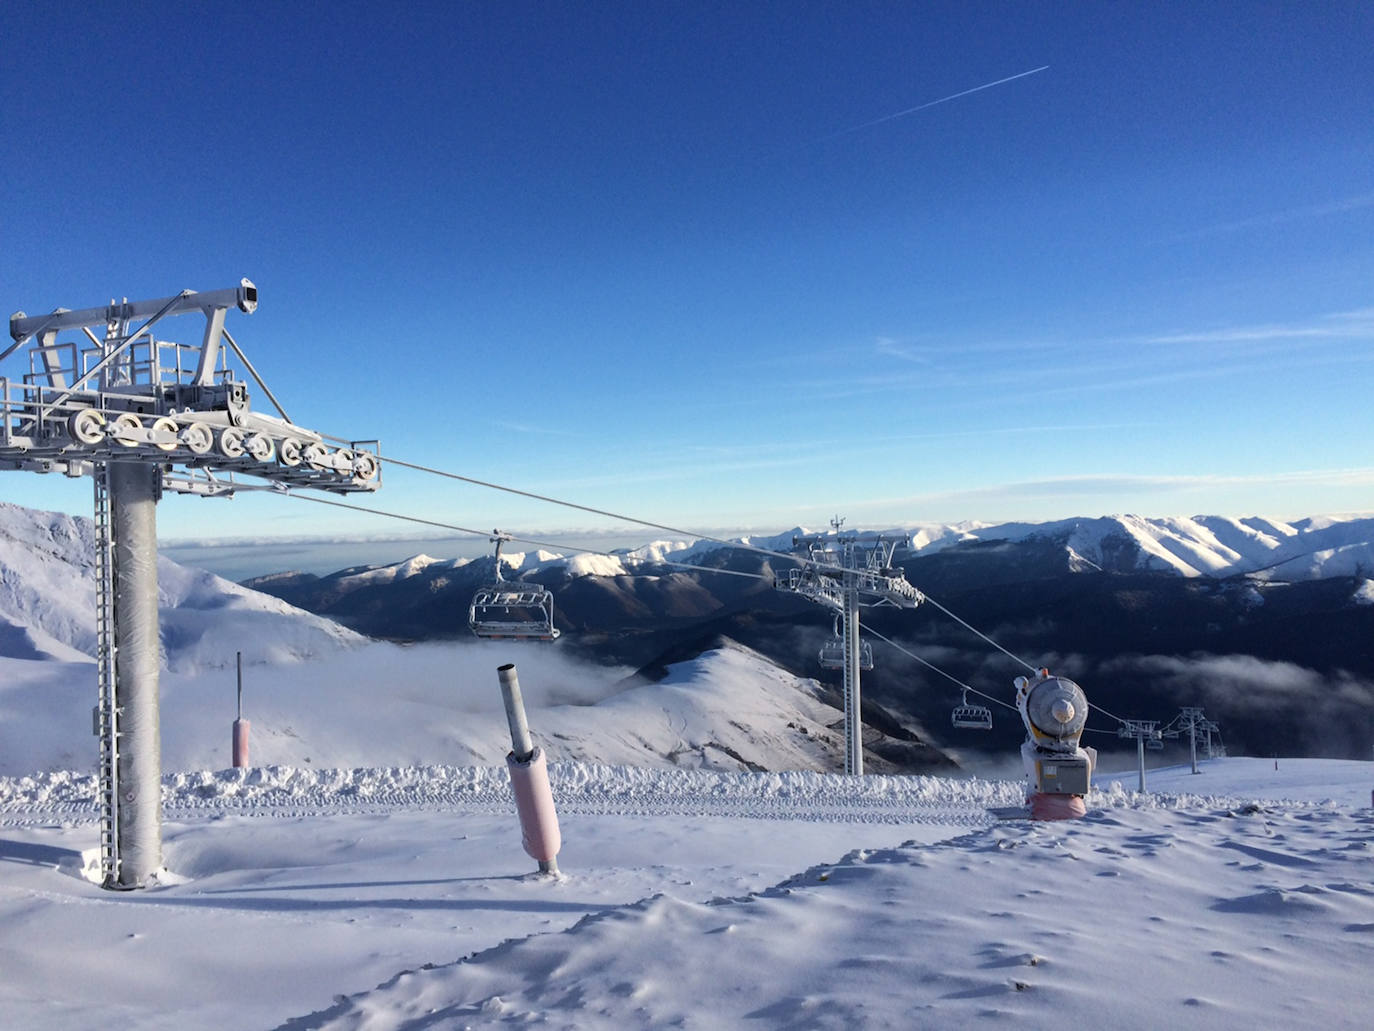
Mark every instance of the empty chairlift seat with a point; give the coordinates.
(971, 717)
(511, 609)
(832, 652)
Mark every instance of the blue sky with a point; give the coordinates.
(680, 261)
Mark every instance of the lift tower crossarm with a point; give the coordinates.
(244, 297)
(131, 397)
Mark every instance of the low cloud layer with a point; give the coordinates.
(1314, 713)
(456, 675)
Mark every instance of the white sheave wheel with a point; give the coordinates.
(289, 452)
(87, 426)
(198, 438)
(261, 448)
(231, 442)
(165, 434)
(124, 422)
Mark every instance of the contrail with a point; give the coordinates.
(931, 103)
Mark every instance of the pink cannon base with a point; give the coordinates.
(1056, 807)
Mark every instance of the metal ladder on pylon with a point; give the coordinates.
(107, 652)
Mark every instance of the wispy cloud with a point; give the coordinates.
(1090, 485)
(532, 429)
(889, 347)
(1365, 315)
(791, 447)
(1339, 326)
(965, 373)
(1276, 218)
(1241, 335)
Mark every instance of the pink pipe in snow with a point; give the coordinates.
(534, 802)
(240, 743)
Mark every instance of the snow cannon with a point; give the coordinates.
(1058, 770)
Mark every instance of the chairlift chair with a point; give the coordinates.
(1155, 743)
(506, 609)
(971, 717)
(831, 655)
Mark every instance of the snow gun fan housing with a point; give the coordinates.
(1054, 710)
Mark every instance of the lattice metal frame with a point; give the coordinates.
(107, 709)
(1190, 721)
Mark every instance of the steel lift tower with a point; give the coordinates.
(141, 415)
(1190, 721)
(843, 573)
(1145, 732)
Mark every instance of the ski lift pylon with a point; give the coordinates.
(971, 717)
(511, 609)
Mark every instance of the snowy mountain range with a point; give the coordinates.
(1216, 546)
(1264, 623)
(423, 597)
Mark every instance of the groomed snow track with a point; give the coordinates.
(580, 789)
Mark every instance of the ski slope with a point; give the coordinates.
(399, 897)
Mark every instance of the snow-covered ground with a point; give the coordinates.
(384, 898)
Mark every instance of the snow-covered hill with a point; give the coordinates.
(1131, 919)
(47, 604)
(384, 704)
(1217, 546)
